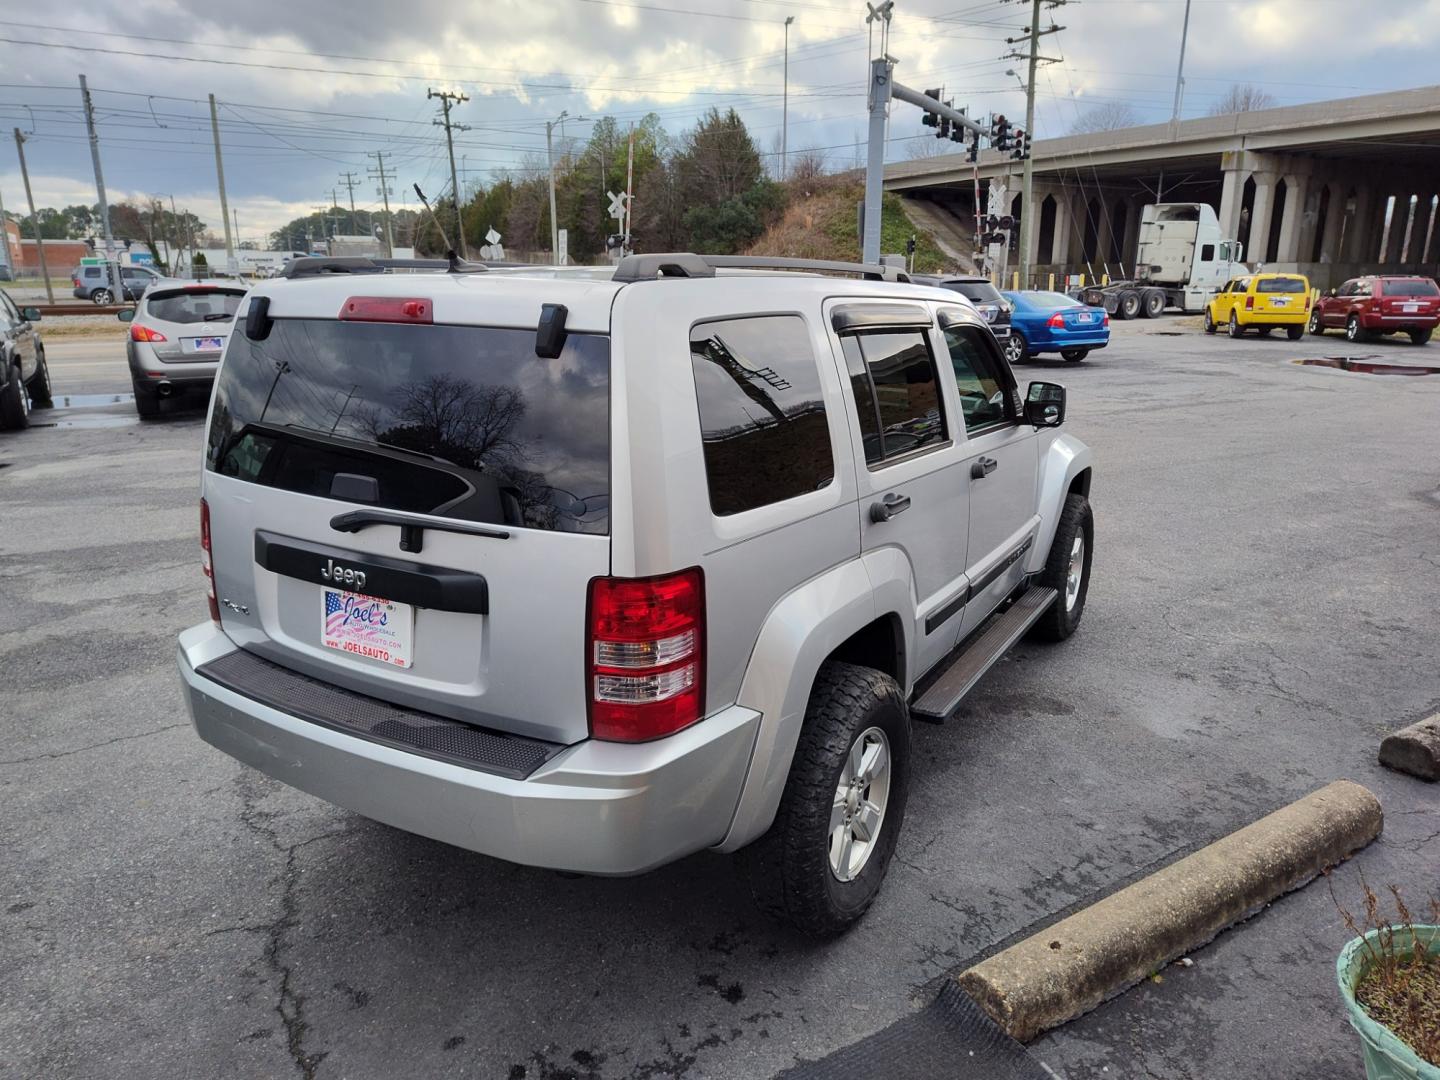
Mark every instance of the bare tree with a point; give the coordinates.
(1111, 116)
(1242, 97)
(928, 146)
(808, 164)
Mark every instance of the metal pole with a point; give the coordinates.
(785, 107)
(1179, 71)
(5, 243)
(881, 71)
(385, 195)
(220, 176)
(550, 161)
(34, 221)
(112, 260)
(1027, 172)
(629, 186)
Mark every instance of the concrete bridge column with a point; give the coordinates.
(1231, 194)
(1297, 194)
(1260, 215)
(1064, 226)
(1357, 225)
(1419, 228)
(1334, 221)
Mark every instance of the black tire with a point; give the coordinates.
(1074, 355)
(1017, 349)
(1129, 305)
(1354, 331)
(14, 403)
(39, 386)
(102, 296)
(1063, 616)
(1152, 303)
(789, 868)
(1420, 337)
(147, 402)
(1234, 329)
(1294, 333)
(1209, 321)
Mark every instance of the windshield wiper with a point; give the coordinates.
(217, 316)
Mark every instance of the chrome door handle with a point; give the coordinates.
(983, 468)
(888, 507)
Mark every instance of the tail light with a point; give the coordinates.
(1307, 301)
(645, 655)
(387, 309)
(75, 282)
(1249, 303)
(1057, 321)
(144, 333)
(205, 564)
(1106, 321)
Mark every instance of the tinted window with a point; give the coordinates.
(1417, 287)
(1207, 252)
(762, 417)
(208, 305)
(977, 375)
(982, 292)
(92, 271)
(897, 395)
(458, 421)
(1280, 285)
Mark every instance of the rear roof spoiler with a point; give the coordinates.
(313, 266)
(688, 265)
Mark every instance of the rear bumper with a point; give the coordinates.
(1391, 323)
(596, 807)
(1071, 341)
(1299, 317)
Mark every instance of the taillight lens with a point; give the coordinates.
(1249, 303)
(1057, 321)
(205, 563)
(387, 309)
(144, 333)
(645, 655)
(1106, 321)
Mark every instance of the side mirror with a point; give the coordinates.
(126, 315)
(31, 313)
(1045, 404)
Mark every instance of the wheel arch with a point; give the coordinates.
(1066, 468)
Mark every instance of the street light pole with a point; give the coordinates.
(34, 221)
(550, 161)
(785, 107)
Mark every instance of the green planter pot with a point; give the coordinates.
(1386, 1057)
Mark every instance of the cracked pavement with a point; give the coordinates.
(1262, 612)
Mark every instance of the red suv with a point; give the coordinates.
(1380, 305)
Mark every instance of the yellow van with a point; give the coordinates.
(1263, 301)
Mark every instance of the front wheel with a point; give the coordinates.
(102, 297)
(1233, 329)
(39, 386)
(1017, 351)
(1209, 322)
(822, 863)
(1074, 355)
(1294, 333)
(1315, 326)
(1067, 571)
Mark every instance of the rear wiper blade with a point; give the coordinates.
(217, 316)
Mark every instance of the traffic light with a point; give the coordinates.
(930, 119)
(943, 127)
(1022, 145)
(910, 246)
(1000, 133)
(974, 154)
(957, 133)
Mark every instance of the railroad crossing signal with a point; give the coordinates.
(617, 204)
(491, 236)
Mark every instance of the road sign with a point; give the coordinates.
(617, 204)
(562, 253)
(492, 237)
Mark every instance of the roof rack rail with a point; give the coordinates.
(684, 264)
(315, 265)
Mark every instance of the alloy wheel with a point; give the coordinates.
(857, 813)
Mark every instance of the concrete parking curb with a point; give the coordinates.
(1414, 749)
(1072, 966)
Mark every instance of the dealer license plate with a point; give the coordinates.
(1280, 301)
(1085, 316)
(368, 626)
(1411, 307)
(207, 344)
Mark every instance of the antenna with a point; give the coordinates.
(457, 264)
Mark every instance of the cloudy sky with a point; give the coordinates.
(310, 90)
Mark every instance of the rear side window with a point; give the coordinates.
(1416, 287)
(92, 271)
(1280, 285)
(1207, 252)
(462, 422)
(897, 392)
(209, 305)
(762, 415)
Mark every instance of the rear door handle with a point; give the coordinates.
(983, 468)
(888, 507)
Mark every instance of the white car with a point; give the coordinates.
(177, 332)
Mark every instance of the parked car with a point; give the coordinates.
(1367, 306)
(993, 307)
(93, 282)
(1263, 301)
(24, 375)
(177, 332)
(485, 563)
(1051, 322)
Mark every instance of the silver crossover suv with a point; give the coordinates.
(177, 332)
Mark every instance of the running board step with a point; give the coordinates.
(945, 694)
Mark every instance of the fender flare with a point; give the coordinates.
(1060, 463)
(800, 632)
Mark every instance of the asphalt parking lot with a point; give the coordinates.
(1262, 610)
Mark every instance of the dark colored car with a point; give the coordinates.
(993, 307)
(24, 377)
(1051, 322)
(1365, 306)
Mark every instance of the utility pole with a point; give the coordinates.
(5, 244)
(220, 176)
(629, 188)
(550, 164)
(112, 259)
(446, 99)
(350, 183)
(1179, 94)
(379, 173)
(34, 221)
(1031, 38)
(785, 107)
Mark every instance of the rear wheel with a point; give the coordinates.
(1067, 571)
(1074, 355)
(39, 386)
(1353, 330)
(14, 403)
(822, 863)
(1419, 337)
(1294, 333)
(102, 296)
(1209, 321)
(1017, 349)
(147, 402)
(1129, 305)
(1234, 329)
(1152, 303)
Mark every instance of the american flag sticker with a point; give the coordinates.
(369, 627)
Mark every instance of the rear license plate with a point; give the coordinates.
(1412, 307)
(1085, 316)
(1280, 301)
(368, 626)
(207, 344)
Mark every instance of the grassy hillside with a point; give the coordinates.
(820, 223)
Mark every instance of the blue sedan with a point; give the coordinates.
(1051, 322)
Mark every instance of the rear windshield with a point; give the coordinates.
(1280, 284)
(1414, 287)
(208, 305)
(1051, 300)
(982, 292)
(462, 422)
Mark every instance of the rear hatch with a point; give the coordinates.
(1407, 297)
(189, 323)
(1282, 296)
(986, 299)
(494, 461)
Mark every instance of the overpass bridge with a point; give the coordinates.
(1331, 189)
